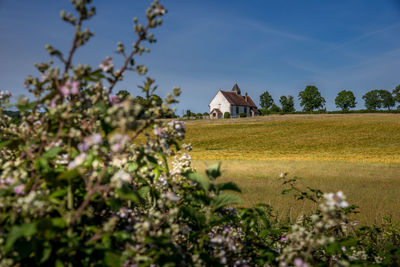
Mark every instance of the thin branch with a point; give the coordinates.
(128, 59)
(74, 45)
(91, 192)
(144, 127)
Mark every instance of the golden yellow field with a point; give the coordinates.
(356, 153)
(348, 138)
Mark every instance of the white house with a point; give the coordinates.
(233, 102)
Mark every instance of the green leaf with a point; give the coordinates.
(57, 195)
(41, 163)
(225, 199)
(58, 222)
(5, 143)
(143, 191)
(46, 252)
(214, 171)
(112, 259)
(94, 76)
(18, 231)
(52, 152)
(122, 236)
(228, 186)
(199, 179)
(126, 193)
(152, 159)
(59, 263)
(115, 204)
(68, 175)
(132, 166)
(194, 214)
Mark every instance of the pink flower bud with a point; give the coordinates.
(19, 189)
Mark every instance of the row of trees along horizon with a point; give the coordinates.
(311, 100)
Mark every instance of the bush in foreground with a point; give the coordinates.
(78, 188)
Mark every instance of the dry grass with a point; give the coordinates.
(347, 138)
(373, 187)
(356, 153)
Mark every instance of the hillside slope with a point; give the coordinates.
(347, 138)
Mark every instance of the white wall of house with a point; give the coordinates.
(220, 102)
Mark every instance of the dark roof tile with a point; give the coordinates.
(238, 100)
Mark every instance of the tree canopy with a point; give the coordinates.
(386, 99)
(345, 100)
(376, 99)
(311, 98)
(371, 100)
(287, 103)
(396, 93)
(266, 100)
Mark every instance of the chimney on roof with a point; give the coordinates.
(245, 97)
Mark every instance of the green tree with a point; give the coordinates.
(311, 98)
(387, 99)
(275, 108)
(266, 100)
(372, 100)
(287, 103)
(396, 94)
(345, 100)
(190, 113)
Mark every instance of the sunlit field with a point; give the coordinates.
(356, 153)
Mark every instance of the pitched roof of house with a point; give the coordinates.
(217, 110)
(238, 100)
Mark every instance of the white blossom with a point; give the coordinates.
(107, 64)
(78, 160)
(336, 200)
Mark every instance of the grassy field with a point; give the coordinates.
(356, 153)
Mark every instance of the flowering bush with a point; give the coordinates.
(77, 187)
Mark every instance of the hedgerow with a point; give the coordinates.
(78, 189)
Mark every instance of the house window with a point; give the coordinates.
(237, 110)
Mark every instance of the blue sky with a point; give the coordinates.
(204, 46)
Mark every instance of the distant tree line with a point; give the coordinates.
(311, 100)
(190, 114)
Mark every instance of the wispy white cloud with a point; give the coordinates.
(364, 36)
(262, 27)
